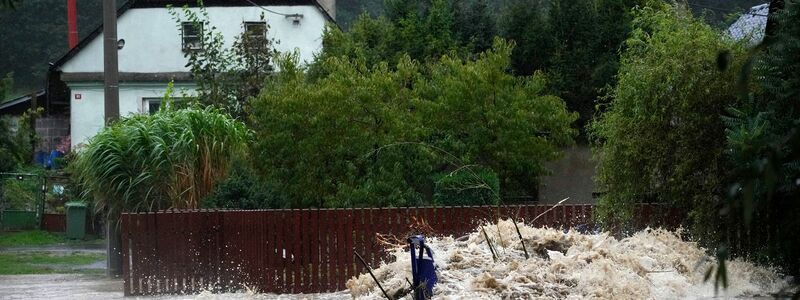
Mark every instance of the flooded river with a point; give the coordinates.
(651, 264)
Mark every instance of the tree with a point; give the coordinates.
(526, 23)
(378, 135)
(485, 116)
(11, 4)
(315, 137)
(662, 136)
(421, 29)
(763, 147)
(227, 78)
(6, 87)
(474, 25)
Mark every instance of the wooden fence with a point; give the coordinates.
(54, 222)
(298, 251)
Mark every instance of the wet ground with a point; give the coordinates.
(96, 287)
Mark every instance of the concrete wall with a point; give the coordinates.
(87, 112)
(572, 176)
(153, 42)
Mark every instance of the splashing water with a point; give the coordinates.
(651, 264)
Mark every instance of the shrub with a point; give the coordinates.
(243, 189)
(467, 186)
(170, 159)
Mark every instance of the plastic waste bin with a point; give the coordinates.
(76, 220)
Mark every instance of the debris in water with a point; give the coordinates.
(651, 264)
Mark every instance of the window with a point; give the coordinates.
(255, 34)
(192, 36)
(152, 105)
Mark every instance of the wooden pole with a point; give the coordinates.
(111, 109)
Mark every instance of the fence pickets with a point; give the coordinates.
(299, 251)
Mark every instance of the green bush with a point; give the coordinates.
(467, 186)
(375, 135)
(170, 159)
(662, 137)
(243, 189)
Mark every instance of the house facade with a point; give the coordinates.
(155, 44)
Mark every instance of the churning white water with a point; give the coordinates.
(651, 264)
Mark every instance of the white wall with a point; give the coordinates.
(153, 39)
(87, 113)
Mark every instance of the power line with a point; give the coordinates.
(272, 11)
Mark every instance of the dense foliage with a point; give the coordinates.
(243, 189)
(375, 135)
(226, 77)
(662, 136)
(17, 139)
(763, 146)
(467, 186)
(170, 159)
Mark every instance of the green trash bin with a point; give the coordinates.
(76, 220)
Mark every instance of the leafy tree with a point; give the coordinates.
(6, 87)
(170, 159)
(8, 147)
(485, 116)
(226, 78)
(421, 29)
(314, 138)
(526, 23)
(763, 142)
(9, 4)
(377, 135)
(662, 136)
(475, 26)
(243, 189)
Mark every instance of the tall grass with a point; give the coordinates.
(170, 159)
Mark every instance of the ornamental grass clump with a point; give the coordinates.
(170, 159)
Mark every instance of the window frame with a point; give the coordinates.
(261, 37)
(197, 35)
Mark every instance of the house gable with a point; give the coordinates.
(154, 46)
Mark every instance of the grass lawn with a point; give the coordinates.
(16, 263)
(39, 238)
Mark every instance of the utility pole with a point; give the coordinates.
(111, 106)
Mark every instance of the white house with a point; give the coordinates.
(154, 45)
(751, 25)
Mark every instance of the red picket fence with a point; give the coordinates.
(54, 222)
(298, 251)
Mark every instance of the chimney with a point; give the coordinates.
(72, 23)
(329, 6)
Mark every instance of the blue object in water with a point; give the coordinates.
(423, 269)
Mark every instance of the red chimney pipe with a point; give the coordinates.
(72, 23)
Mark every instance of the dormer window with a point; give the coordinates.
(192, 36)
(255, 34)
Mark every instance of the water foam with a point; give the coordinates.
(650, 264)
